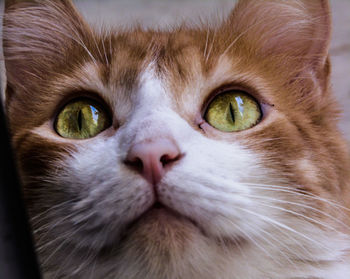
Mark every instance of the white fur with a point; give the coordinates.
(213, 185)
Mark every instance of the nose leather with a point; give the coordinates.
(153, 158)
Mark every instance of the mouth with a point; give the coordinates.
(164, 222)
(162, 227)
(166, 215)
(159, 213)
(157, 205)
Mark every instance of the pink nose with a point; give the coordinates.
(153, 158)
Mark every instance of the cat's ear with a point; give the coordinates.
(297, 31)
(37, 38)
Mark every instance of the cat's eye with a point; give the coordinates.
(233, 111)
(82, 119)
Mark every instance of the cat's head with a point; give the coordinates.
(203, 152)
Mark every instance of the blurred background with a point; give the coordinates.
(163, 13)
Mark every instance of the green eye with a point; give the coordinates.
(233, 111)
(81, 119)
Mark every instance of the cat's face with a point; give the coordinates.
(168, 185)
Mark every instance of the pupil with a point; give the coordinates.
(79, 120)
(232, 113)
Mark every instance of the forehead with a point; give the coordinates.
(174, 55)
(190, 63)
(139, 62)
(187, 64)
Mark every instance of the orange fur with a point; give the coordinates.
(275, 50)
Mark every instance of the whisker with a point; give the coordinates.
(303, 206)
(104, 51)
(273, 245)
(299, 215)
(270, 220)
(282, 228)
(97, 46)
(66, 235)
(82, 44)
(299, 192)
(206, 42)
(279, 226)
(296, 242)
(237, 38)
(211, 47)
(110, 45)
(53, 225)
(34, 220)
(243, 233)
(57, 248)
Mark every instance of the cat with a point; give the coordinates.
(207, 151)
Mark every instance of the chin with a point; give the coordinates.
(164, 244)
(159, 244)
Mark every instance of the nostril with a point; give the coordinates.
(166, 159)
(153, 158)
(135, 163)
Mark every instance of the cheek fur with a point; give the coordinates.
(107, 196)
(210, 187)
